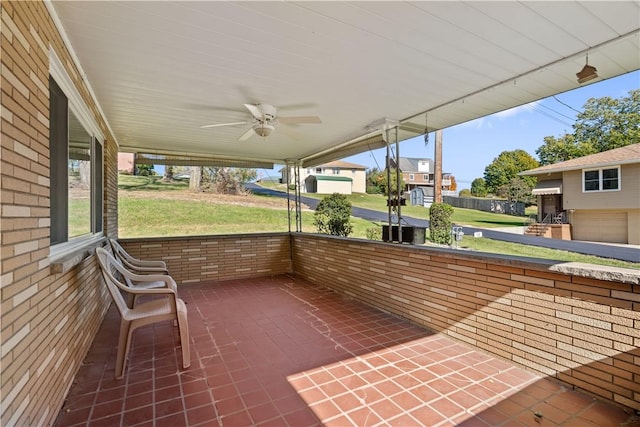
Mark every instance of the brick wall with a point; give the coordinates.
(203, 258)
(48, 320)
(584, 331)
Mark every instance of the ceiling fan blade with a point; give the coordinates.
(292, 120)
(254, 110)
(248, 134)
(291, 134)
(298, 106)
(223, 124)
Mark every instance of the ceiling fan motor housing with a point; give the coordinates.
(268, 112)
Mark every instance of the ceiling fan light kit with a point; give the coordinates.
(263, 129)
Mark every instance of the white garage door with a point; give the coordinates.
(600, 226)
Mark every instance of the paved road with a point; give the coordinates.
(620, 252)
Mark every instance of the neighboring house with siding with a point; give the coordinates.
(127, 163)
(599, 194)
(420, 173)
(333, 177)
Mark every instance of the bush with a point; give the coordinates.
(465, 193)
(374, 233)
(333, 215)
(373, 189)
(440, 223)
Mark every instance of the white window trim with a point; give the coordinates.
(84, 115)
(600, 189)
(76, 103)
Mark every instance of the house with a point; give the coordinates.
(126, 163)
(333, 177)
(419, 173)
(598, 195)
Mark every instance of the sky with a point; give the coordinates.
(469, 147)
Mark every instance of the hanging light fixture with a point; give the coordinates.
(587, 73)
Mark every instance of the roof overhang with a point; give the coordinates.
(161, 70)
(543, 188)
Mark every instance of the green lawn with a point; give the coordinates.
(507, 248)
(143, 217)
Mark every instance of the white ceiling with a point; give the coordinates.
(160, 70)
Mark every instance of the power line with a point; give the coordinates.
(552, 117)
(557, 112)
(566, 105)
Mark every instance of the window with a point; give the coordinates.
(411, 177)
(425, 178)
(76, 166)
(601, 179)
(336, 171)
(353, 171)
(318, 170)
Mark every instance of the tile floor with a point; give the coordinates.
(280, 352)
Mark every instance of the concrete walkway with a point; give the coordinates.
(628, 253)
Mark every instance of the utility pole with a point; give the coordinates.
(437, 173)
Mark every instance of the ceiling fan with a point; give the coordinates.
(265, 119)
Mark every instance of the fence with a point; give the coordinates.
(487, 205)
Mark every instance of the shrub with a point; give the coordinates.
(440, 223)
(374, 233)
(333, 215)
(465, 193)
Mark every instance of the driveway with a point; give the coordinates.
(621, 252)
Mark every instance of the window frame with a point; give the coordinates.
(75, 104)
(600, 171)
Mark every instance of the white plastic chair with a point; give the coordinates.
(139, 267)
(136, 265)
(157, 310)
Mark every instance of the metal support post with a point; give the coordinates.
(293, 203)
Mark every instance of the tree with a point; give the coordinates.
(454, 185)
(383, 184)
(195, 178)
(372, 180)
(168, 174)
(333, 215)
(144, 170)
(507, 166)
(518, 190)
(478, 188)
(563, 148)
(465, 192)
(604, 124)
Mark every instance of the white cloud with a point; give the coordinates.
(516, 110)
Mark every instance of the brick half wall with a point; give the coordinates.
(583, 331)
(192, 259)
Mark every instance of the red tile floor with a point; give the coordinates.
(281, 352)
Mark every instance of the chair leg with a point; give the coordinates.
(183, 328)
(123, 347)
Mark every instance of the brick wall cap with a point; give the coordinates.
(592, 271)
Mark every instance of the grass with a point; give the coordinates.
(159, 217)
(165, 217)
(507, 248)
(150, 183)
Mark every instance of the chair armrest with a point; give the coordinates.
(146, 278)
(147, 270)
(144, 265)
